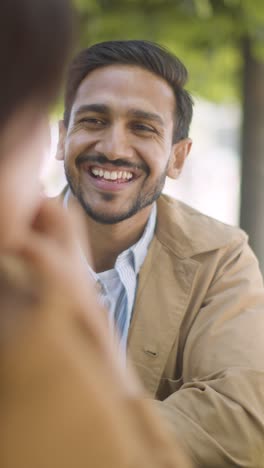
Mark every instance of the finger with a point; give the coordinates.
(67, 230)
(52, 222)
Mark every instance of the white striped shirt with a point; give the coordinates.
(117, 287)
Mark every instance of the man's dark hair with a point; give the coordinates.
(144, 54)
(35, 40)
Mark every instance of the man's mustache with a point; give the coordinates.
(102, 159)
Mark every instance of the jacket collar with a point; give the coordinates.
(187, 232)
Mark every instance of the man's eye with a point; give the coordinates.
(143, 128)
(92, 121)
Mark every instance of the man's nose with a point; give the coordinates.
(115, 143)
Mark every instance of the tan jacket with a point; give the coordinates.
(60, 405)
(197, 336)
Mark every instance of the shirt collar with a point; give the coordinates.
(139, 250)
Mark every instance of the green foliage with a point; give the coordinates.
(205, 34)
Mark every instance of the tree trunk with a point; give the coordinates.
(252, 190)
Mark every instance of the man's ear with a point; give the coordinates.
(180, 151)
(61, 142)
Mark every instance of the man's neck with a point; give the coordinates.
(107, 241)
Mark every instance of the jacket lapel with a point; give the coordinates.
(164, 289)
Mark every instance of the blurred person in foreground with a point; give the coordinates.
(184, 289)
(65, 399)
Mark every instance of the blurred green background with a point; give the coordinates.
(206, 34)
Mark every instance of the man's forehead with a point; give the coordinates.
(132, 86)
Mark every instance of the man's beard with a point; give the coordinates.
(141, 201)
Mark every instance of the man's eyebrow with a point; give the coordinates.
(140, 114)
(99, 108)
(135, 113)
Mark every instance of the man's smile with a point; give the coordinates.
(109, 178)
(113, 175)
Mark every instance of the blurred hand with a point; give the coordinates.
(53, 250)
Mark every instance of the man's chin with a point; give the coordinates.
(110, 213)
(107, 217)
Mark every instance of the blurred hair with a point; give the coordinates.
(144, 54)
(35, 40)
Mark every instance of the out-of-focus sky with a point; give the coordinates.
(210, 181)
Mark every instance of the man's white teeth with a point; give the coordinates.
(113, 175)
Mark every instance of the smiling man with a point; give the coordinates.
(184, 290)
(127, 113)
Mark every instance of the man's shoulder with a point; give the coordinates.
(189, 232)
